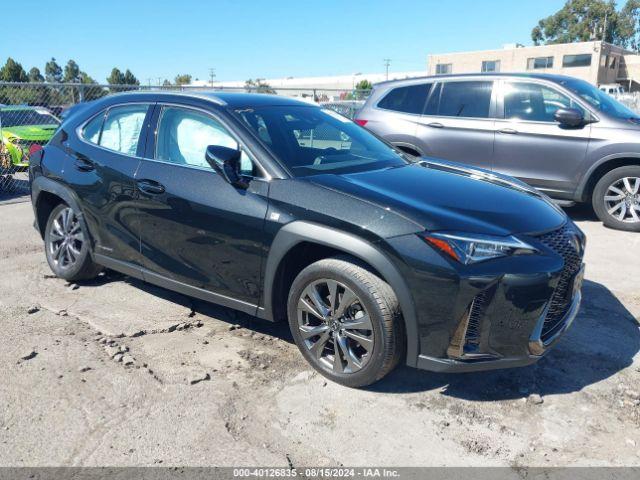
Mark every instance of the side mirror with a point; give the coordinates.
(226, 161)
(569, 117)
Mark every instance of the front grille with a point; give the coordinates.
(564, 242)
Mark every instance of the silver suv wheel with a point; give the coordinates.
(622, 200)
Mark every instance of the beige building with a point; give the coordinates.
(597, 62)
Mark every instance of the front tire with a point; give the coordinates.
(616, 198)
(67, 246)
(346, 321)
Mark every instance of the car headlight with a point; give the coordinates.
(474, 248)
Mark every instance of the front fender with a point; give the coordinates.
(584, 182)
(300, 231)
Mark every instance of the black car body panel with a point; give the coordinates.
(189, 230)
(439, 200)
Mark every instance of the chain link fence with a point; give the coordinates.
(30, 113)
(630, 100)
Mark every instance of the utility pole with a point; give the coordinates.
(212, 75)
(387, 62)
(604, 30)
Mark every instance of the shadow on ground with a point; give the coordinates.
(602, 341)
(581, 212)
(19, 194)
(279, 330)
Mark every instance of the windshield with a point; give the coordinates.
(18, 118)
(598, 99)
(312, 141)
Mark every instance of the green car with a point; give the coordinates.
(21, 128)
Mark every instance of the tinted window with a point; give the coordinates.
(539, 62)
(122, 127)
(465, 99)
(406, 99)
(491, 66)
(313, 141)
(534, 102)
(582, 60)
(434, 101)
(443, 69)
(184, 135)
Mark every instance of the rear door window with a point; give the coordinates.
(122, 127)
(466, 99)
(409, 99)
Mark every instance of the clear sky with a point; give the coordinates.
(258, 38)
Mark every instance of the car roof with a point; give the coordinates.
(228, 99)
(538, 76)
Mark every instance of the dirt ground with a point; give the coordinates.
(115, 372)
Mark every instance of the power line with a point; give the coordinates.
(387, 62)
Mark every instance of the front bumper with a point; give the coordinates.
(537, 349)
(502, 313)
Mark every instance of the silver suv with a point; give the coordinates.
(560, 134)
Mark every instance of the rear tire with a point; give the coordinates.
(67, 246)
(355, 313)
(616, 198)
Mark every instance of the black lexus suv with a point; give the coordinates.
(288, 211)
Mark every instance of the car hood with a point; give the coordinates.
(445, 196)
(30, 132)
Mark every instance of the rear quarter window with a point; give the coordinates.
(408, 99)
(91, 131)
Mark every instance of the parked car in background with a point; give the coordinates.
(559, 134)
(24, 130)
(288, 211)
(612, 88)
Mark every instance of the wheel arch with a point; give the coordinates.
(293, 238)
(601, 168)
(409, 148)
(44, 192)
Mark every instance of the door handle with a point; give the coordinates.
(151, 187)
(435, 125)
(508, 131)
(84, 165)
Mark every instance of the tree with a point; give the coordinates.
(116, 77)
(630, 23)
(53, 71)
(258, 86)
(363, 89)
(585, 20)
(71, 72)
(84, 77)
(12, 71)
(364, 85)
(166, 83)
(35, 75)
(184, 79)
(129, 78)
